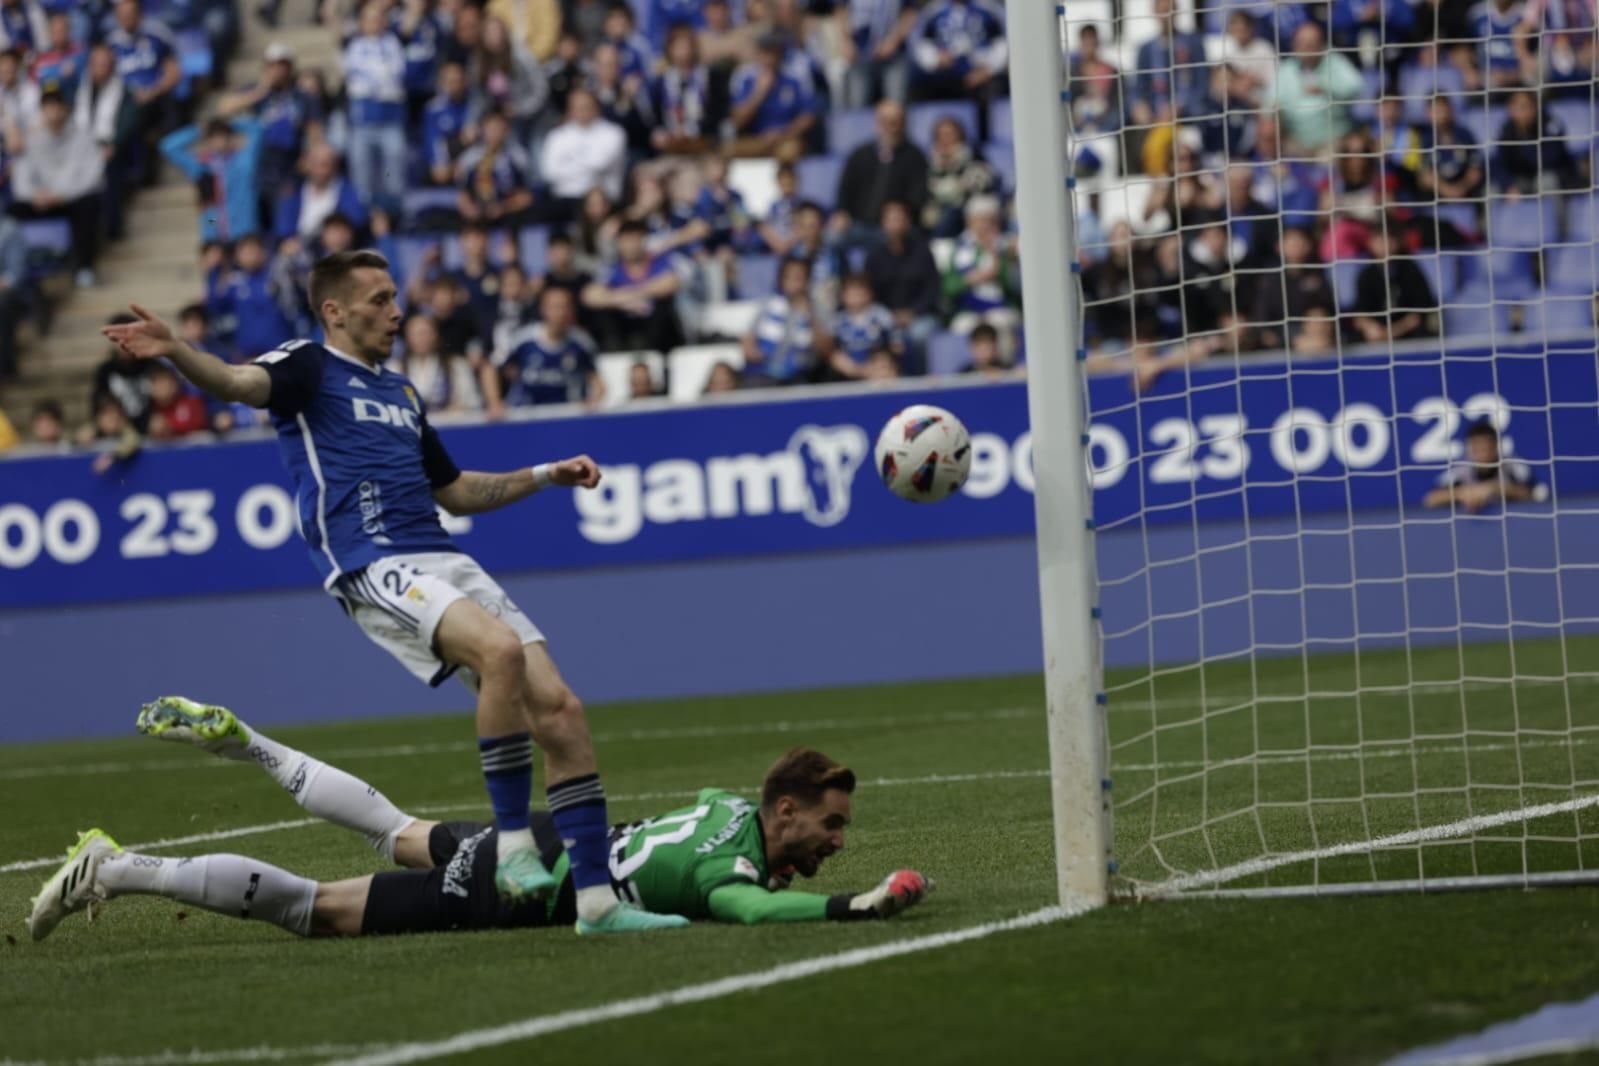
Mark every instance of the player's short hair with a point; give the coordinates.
(330, 278)
(805, 774)
(1482, 428)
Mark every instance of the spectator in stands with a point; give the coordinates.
(19, 95)
(959, 51)
(624, 100)
(374, 83)
(1096, 86)
(1456, 178)
(509, 78)
(1353, 198)
(688, 111)
(60, 175)
(956, 173)
(726, 42)
(983, 282)
(422, 28)
(1317, 333)
(289, 119)
(147, 62)
(534, 24)
(1249, 57)
(1498, 27)
(788, 337)
(291, 267)
(889, 166)
(174, 412)
(772, 112)
(872, 50)
(1108, 288)
(103, 107)
(1530, 154)
(593, 239)
(1402, 146)
(636, 301)
(444, 299)
(16, 295)
(223, 162)
(986, 359)
(495, 177)
(1172, 80)
(862, 329)
(250, 298)
(61, 60)
(562, 272)
(905, 280)
(1564, 57)
(724, 377)
(479, 278)
(720, 226)
(1282, 301)
(633, 49)
(565, 71)
(586, 151)
(1313, 92)
(777, 228)
(449, 123)
(23, 26)
(111, 432)
(444, 382)
(1485, 477)
(551, 360)
(1393, 299)
(125, 380)
(813, 244)
(641, 383)
(47, 426)
(323, 193)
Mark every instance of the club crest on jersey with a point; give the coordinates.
(388, 414)
(416, 404)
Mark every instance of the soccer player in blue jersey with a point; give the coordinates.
(370, 473)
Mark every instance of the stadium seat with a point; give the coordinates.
(614, 368)
(848, 130)
(1000, 123)
(688, 369)
(1580, 217)
(1419, 84)
(1002, 157)
(1470, 316)
(731, 319)
(1528, 315)
(1507, 275)
(47, 235)
(1576, 116)
(818, 178)
(411, 251)
(1571, 316)
(948, 353)
(533, 249)
(1521, 223)
(1482, 123)
(1364, 108)
(419, 204)
(756, 181)
(757, 276)
(923, 117)
(1346, 277)
(1571, 269)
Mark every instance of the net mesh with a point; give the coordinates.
(1338, 288)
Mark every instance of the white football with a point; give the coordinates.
(924, 454)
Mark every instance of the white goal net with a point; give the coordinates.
(1336, 266)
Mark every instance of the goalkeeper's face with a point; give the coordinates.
(807, 834)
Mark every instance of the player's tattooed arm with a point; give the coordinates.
(475, 491)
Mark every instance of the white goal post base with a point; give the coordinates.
(1427, 886)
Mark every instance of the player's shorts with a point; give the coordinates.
(399, 600)
(459, 892)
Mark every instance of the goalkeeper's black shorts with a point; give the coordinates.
(459, 892)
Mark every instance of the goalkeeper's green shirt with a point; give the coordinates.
(671, 864)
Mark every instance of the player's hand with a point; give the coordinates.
(898, 892)
(576, 473)
(148, 338)
(780, 878)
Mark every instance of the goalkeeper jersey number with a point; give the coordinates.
(672, 864)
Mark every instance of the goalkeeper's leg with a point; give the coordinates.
(324, 791)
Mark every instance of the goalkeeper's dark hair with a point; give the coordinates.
(1483, 428)
(806, 775)
(330, 278)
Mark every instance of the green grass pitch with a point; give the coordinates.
(954, 784)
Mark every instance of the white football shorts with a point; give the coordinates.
(398, 601)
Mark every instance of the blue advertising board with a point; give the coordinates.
(782, 474)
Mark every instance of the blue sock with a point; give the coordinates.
(578, 807)
(508, 773)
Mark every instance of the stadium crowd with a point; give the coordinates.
(556, 179)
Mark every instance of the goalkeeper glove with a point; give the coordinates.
(896, 893)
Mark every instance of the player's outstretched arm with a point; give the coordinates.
(747, 904)
(475, 491)
(150, 338)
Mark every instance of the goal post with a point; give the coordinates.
(1058, 412)
(1313, 382)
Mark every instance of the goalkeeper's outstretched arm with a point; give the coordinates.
(747, 904)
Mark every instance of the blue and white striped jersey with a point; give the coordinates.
(364, 459)
(374, 80)
(547, 369)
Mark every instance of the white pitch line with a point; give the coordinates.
(1424, 835)
(450, 808)
(527, 1029)
(784, 726)
(243, 1054)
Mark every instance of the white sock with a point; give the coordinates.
(227, 884)
(510, 840)
(328, 792)
(595, 902)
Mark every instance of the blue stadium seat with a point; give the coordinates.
(47, 235)
(1569, 316)
(1470, 316)
(923, 117)
(1364, 109)
(947, 353)
(818, 178)
(1002, 157)
(1523, 223)
(848, 130)
(1419, 84)
(1346, 276)
(1576, 116)
(420, 202)
(1571, 269)
(1580, 217)
(1508, 275)
(1000, 124)
(1482, 123)
(533, 249)
(757, 276)
(1530, 313)
(410, 252)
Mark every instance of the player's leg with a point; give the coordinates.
(325, 791)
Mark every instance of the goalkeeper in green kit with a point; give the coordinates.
(721, 858)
